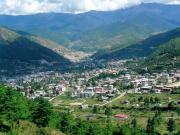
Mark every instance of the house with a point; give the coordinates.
(165, 76)
(167, 89)
(160, 87)
(39, 93)
(104, 98)
(121, 116)
(146, 89)
(84, 106)
(60, 89)
(157, 91)
(89, 92)
(99, 91)
(77, 92)
(177, 77)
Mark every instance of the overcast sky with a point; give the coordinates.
(17, 7)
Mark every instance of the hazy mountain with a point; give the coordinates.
(19, 51)
(134, 24)
(141, 49)
(96, 30)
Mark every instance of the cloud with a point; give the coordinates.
(16, 7)
(27, 6)
(175, 2)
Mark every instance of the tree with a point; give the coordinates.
(95, 109)
(109, 127)
(157, 117)
(140, 99)
(178, 111)
(41, 112)
(152, 100)
(134, 123)
(150, 126)
(146, 102)
(171, 105)
(95, 129)
(81, 127)
(171, 125)
(13, 105)
(67, 122)
(157, 100)
(134, 127)
(124, 130)
(108, 111)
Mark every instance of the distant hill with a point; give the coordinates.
(140, 49)
(21, 51)
(96, 30)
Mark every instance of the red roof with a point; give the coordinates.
(121, 116)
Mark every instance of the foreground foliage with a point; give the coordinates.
(20, 116)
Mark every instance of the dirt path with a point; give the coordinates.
(120, 96)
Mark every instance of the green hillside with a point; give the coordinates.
(142, 48)
(166, 56)
(19, 52)
(120, 35)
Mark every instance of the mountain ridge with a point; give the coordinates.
(18, 52)
(70, 30)
(140, 49)
(165, 57)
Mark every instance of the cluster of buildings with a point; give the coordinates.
(157, 83)
(105, 92)
(51, 84)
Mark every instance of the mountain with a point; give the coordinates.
(73, 56)
(19, 52)
(142, 48)
(167, 56)
(97, 30)
(134, 24)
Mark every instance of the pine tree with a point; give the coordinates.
(95, 109)
(66, 122)
(109, 127)
(150, 126)
(134, 123)
(41, 112)
(171, 125)
(178, 111)
(108, 111)
(146, 102)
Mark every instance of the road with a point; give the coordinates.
(120, 96)
(108, 102)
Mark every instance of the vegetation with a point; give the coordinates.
(99, 30)
(166, 57)
(143, 48)
(19, 52)
(19, 115)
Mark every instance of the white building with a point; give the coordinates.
(89, 92)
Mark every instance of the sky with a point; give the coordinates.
(23, 7)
